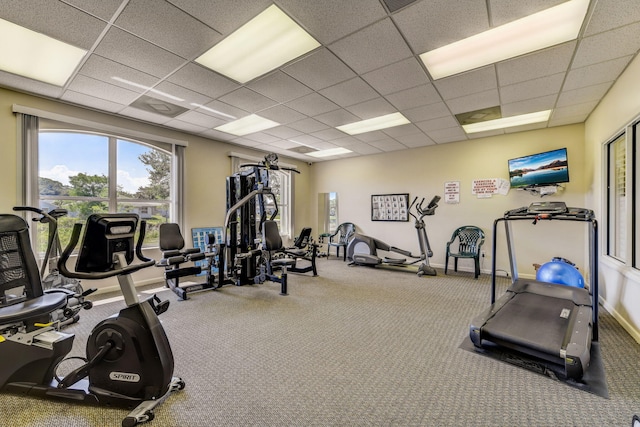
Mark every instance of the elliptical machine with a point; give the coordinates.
(54, 281)
(129, 361)
(362, 250)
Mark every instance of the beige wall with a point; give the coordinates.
(619, 285)
(422, 172)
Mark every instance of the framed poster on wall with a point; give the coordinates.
(390, 207)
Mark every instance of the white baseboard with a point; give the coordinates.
(635, 333)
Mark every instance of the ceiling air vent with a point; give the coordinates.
(394, 5)
(156, 106)
(477, 116)
(303, 150)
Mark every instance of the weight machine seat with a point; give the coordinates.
(544, 320)
(36, 308)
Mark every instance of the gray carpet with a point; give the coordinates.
(352, 347)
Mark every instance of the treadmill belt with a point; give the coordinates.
(532, 321)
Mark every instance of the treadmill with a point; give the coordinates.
(540, 321)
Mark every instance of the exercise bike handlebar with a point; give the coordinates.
(73, 242)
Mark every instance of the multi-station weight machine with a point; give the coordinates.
(250, 202)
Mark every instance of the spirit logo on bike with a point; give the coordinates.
(124, 376)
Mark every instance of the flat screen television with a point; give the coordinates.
(548, 168)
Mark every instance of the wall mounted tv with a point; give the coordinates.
(548, 168)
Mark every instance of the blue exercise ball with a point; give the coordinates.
(561, 273)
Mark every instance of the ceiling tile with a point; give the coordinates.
(111, 72)
(91, 101)
(195, 77)
(414, 97)
(54, 19)
(262, 137)
(328, 134)
(505, 11)
(224, 16)
(189, 98)
(247, 100)
(308, 125)
(447, 135)
(103, 9)
(475, 101)
(612, 14)
(372, 47)
(437, 124)
(283, 132)
(349, 92)
(328, 21)
(372, 108)
(612, 44)
(535, 65)
(531, 88)
(430, 24)
(415, 140)
(583, 95)
(371, 136)
(313, 141)
(145, 115)
(312, 104)
(388, 145)
(187, 127)
(398, 76)
(427, 112)
(200, 119)
(337, 118)
(279, 87)
(282, 114)
(479, 80)
(222, 111)
(573, 110)
(597, 73)
(529, 105)
(134, 52)
(171, 28)
(402, 130)
(102, 90)
(30, 86)
(320, 69)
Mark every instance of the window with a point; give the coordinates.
(622, 237)
(87, 173)
(616, 198)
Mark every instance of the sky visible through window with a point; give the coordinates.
(86, 153)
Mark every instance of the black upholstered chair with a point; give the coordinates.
(466, 242)
(22, 299)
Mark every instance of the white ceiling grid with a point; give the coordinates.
(367, 65)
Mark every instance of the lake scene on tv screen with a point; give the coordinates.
(539, 169)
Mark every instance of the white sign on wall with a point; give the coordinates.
(452, 192)
(484, 188)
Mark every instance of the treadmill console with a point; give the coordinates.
(547, 207)
(549, 210)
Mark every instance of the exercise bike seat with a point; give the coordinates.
(37, 307)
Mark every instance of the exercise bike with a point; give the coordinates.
(362, 250)
(129, 361)
(54, 281)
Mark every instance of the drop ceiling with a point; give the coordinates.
(141, 64)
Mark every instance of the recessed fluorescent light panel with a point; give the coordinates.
(246, 125)
(507, 122)
(36, 56)
(329, 152)
(376, 123)
(261, 45)
(549, 27)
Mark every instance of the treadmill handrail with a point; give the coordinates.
(588, 217)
